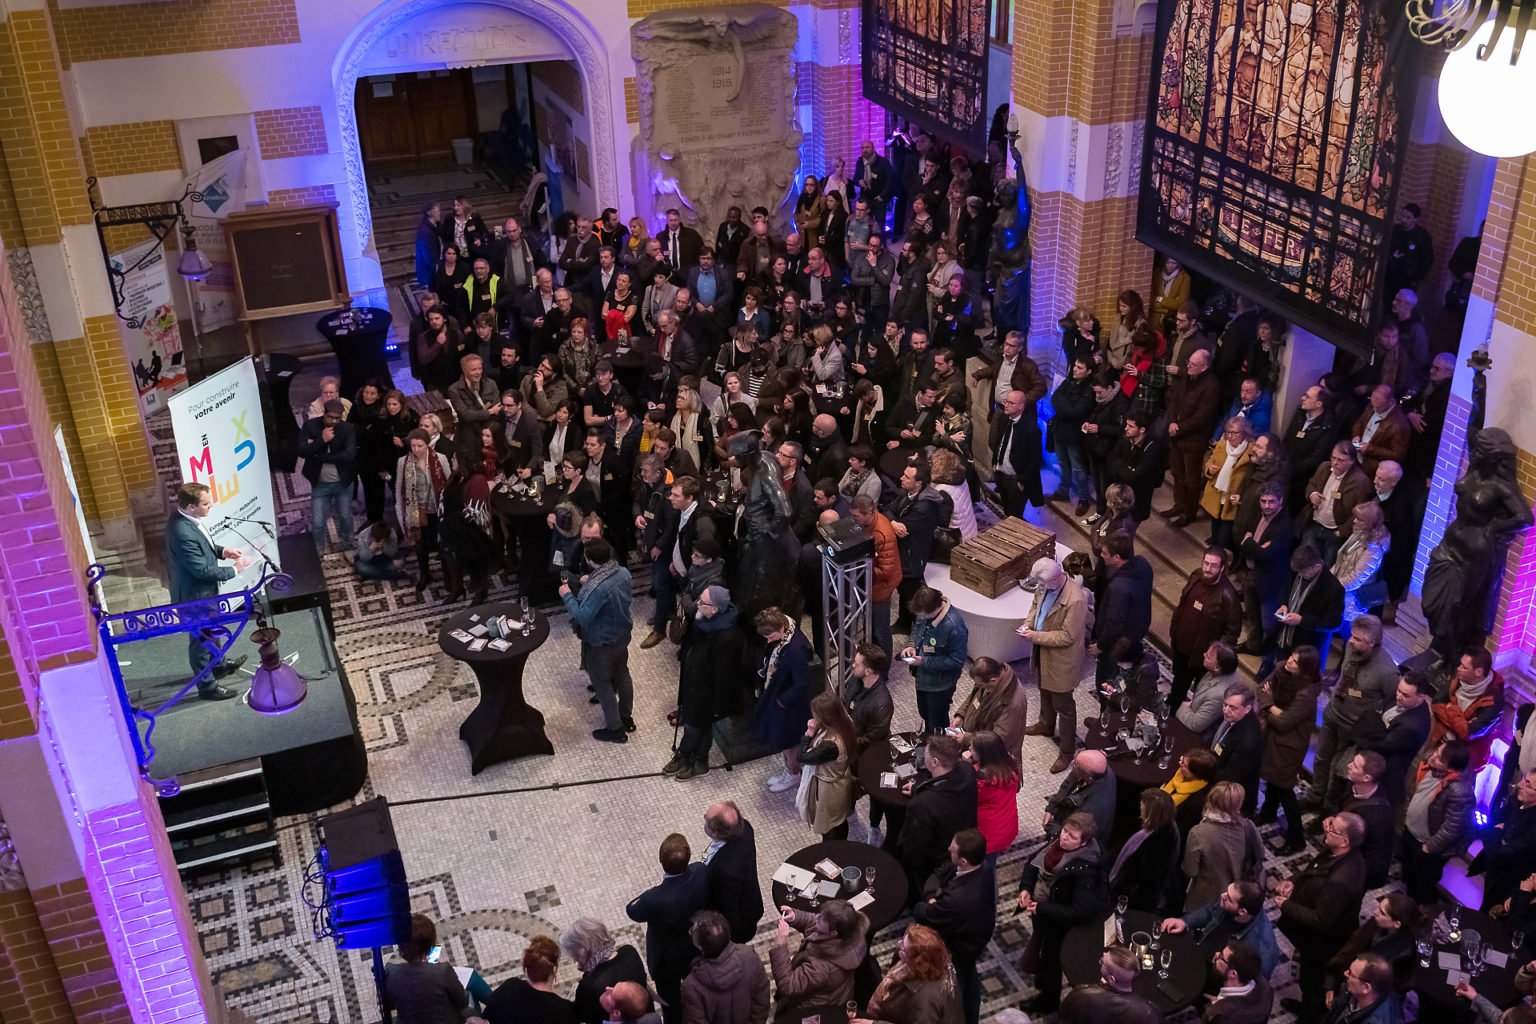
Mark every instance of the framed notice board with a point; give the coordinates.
(286, 261)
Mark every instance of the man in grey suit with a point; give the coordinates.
(193, 559)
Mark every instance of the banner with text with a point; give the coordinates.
(221, 441)
(222, 183)
(154, 347)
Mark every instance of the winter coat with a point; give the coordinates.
(941, 644)
(1001, 708)
(1125, 608)
(1288, 735)
(1219, 853)
(709, 682)
(1059, 649)
(731, 988)
(1324, 907)
(1076, 894)
(1144, 876)
(918, 1002)
(1213, 501)
(831, 793)
(785, 704)
(819, 973)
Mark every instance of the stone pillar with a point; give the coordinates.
(93, 918)
(57, 267)
(1307, 357)
(1080, 78)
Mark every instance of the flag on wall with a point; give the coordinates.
(222, 184)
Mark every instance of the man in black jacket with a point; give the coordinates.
(920, 511)
(1309, 437)
(1124, 611)
(329, 450)
(614, 498)
(959, 901)
(522, 433)
(1239, 743)
(911, 422)
(681, 528)
(941, 806)
(1398, 732)
(868, 700)
(828, 456)
(1319, 908)
(1138, 461)
(731, 866)
(666, 910)
(1312, 608)
(1365, 800)
(1016, 454)
(1113, 1000)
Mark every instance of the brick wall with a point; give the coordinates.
(1517, 290)
(561, 78)
(1508, 180)
(631, 101)
(844, 119)
(30, 987)
(1440, 508)
(641, 8)
(172, 26)
(309, 195)
(80, 954)
(134, 148)
(290, 131)
(1435, 177)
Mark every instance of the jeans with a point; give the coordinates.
(1186, 670)
(380, 568)
(664, 587)
(1076, 475)
(880, 625)
(325, 500)
(933, 705)
(1326, 541)
(608, 668)
(1059, 710)
(695, 745)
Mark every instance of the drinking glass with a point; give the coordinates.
(1164, 961)
(1122, 905)
(1167, 758)
(1516, 941)
(1424, 948)
(853, 1009)
(869, 879)
(1157, 933)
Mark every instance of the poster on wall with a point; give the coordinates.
(926, 61)
(1275, 140)
(221, 441)
(154, 347)
(222, 183)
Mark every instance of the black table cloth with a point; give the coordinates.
(884, 757)
(1132, 776)
(358, 336)
(894, 461)
(526, 519)
(1497, 984)
(890, 888)
(1084, 944)
(504, 725)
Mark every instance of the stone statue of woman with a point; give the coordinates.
(1466, 569)
(1008, 263)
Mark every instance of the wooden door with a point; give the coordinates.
(413, 115)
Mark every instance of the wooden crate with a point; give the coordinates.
(998, 558)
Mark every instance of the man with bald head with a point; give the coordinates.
(1402, 513)
(1016, 454)
(1382, 431)
(629, 1002)
(1057, 625)
(1089, 787)
(1194, 406)
(730, 863)
(828, 453)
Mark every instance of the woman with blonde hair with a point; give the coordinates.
(827, 791)
(1224, 848)
(826, 361)
(921, 988)
(1227, 466)
(945, 266)
(1359, 560)
(948, 475)
(691, 425)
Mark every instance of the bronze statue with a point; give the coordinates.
(1008, 264)
(1466, 569)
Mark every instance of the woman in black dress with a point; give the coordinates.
(373, 460)
(399, 420)
(448, 281)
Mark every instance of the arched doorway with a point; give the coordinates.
(417, 35)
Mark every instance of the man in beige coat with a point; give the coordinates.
(1058, 628)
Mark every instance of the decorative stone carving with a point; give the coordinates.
(717, 107)
(29, 294)
(11, 877)
(390, 21)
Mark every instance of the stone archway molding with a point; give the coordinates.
(586, 48)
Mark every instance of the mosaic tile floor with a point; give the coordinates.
(526, 847)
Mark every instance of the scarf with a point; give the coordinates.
(1182, 789)
(1224, 475)
(1468, 694)
(1131, 846)
(772, 664)
(423, 488)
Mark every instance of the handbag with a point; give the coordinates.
(676, 627)
(805, 795)
(945, 538)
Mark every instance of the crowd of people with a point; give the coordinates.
(779, 373)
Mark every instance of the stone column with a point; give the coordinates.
(93, 918)
(1080, 76)
(56, 263)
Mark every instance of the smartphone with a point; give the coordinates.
(434, 953)
(1280, 614)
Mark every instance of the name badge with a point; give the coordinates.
(649, 514)
(1217, 749)
(1199, 607)
(1355, 693)
(517, 444)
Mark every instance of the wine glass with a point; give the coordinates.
(853, 1009)
(1157, 933)
(1424, 948)
(1122, 905)
(1166, 759)
(1164, 962)
(1517, 941)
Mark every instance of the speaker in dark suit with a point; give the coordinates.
(195, 571)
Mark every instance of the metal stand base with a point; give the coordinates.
(845, 606)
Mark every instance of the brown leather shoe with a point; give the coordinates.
(1060, 765)
(1041, 728)
(651, 640)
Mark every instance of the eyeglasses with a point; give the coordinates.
(1332, 828)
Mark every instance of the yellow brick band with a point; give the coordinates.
(138, 147)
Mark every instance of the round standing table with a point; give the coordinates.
(892, 462)
(884, 757)
(1437, 996)
(890, 889)
(527, 520)
(1081, 948)
(358, 337)
(503, 725)
(1133, 776)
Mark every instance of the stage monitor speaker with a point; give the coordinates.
(846, 542)
(367, 899)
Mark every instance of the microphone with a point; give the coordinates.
(254, 522)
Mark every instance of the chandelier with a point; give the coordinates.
(1483, 79)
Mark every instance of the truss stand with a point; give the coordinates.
(846, 553)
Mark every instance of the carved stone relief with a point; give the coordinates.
(11, 877)
(717, 108)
